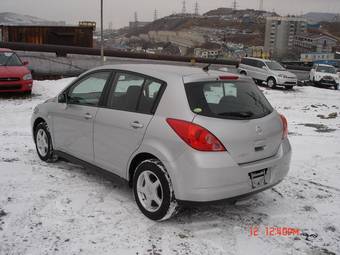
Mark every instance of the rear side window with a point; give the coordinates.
(135, 93)
(126, 92)
(149, 96)
(227, 100)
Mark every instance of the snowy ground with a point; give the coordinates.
(64, 209)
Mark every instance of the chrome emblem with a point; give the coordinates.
(259, 130)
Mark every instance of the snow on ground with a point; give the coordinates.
(64, 209)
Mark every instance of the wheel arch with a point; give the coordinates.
(136, 160)
(37, 121)
(272, 77)
(242, 71)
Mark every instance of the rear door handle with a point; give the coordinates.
(136, 125)
(87, 116)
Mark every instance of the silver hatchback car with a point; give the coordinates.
(178, 135)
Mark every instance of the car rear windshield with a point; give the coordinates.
(227, 100)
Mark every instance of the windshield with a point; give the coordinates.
(273, 65)
(9, 59)
(326, 69)
(227, 100)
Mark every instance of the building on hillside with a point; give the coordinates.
(81, 36)
(207, 53)
(315, 56)
(138, 24)
(280, 33)
(314, 43)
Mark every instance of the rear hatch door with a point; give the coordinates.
(239, 115)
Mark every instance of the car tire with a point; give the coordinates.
(289, 87)
(43, 143)
(271, 82)
(153, 192)
(243, 73)
(336, 87)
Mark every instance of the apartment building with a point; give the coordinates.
(280, 34)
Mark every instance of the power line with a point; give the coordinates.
(234, 5)
(196, 9)
(155, 15)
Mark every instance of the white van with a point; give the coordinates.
(271, 72)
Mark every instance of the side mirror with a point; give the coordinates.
(264, 67)
(25, 63)
(62, 98)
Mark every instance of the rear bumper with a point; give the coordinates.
(17, 86)
(206, 177)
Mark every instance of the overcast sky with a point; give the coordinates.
(121, 12)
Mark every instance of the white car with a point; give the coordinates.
(271, 72)
(325, 76)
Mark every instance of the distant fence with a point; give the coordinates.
(64, 50)
(72, 61)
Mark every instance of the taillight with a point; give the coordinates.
(228, 77)
(285, 126)
(196, 136)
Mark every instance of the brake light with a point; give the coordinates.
(228, 77)
(195, 136)
(285, 126)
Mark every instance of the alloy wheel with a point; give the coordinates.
(42, 142)
(149, 190)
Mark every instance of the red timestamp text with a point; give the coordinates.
(274, 231)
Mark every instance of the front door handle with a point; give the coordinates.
(87, 116)
(136, 125)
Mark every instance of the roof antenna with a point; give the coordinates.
(207, 67)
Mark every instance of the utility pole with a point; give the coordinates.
(102, 31)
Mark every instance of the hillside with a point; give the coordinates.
(177, 23)
(9, 18)
(322, 16)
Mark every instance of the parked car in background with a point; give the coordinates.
(177, 134)
(14, 74)
(325, 76)
(271, 72)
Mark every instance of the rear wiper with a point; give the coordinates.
(237, 114)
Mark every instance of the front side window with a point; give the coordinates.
(227, 100)
(260, 64)
(89, 90)
(9, 59)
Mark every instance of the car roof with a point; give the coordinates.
(166, 72)
(4, 50)
(260, 59)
